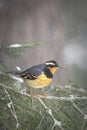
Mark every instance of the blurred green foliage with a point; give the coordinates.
(64, 108)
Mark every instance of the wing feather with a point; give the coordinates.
(33, 72)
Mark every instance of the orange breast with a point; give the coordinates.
(40, 82)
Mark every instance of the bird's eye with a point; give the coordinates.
(50, 65)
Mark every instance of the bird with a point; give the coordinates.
(39, 76)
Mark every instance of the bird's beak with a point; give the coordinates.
(59, 67)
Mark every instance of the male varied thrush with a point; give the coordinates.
(39, 76)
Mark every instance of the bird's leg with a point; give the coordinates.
(31, 94)
(42, 92)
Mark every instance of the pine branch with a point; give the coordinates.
(64, 107)
(16, 50)
(10, 106)
(47, 108)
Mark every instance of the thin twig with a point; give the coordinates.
(10, 106)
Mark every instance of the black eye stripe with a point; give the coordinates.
(51, 65)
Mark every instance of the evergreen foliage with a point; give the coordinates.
(17, 49)
(64, 108)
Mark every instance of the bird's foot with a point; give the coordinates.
(32, 95)
(44, 94)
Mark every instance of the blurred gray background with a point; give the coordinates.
(60, 24)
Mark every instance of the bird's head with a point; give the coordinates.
(52, 66)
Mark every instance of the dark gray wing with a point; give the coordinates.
(33, 72)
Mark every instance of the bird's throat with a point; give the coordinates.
(53, 70)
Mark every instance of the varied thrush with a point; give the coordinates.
(39, 76)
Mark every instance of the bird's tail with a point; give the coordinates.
(15, 73)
